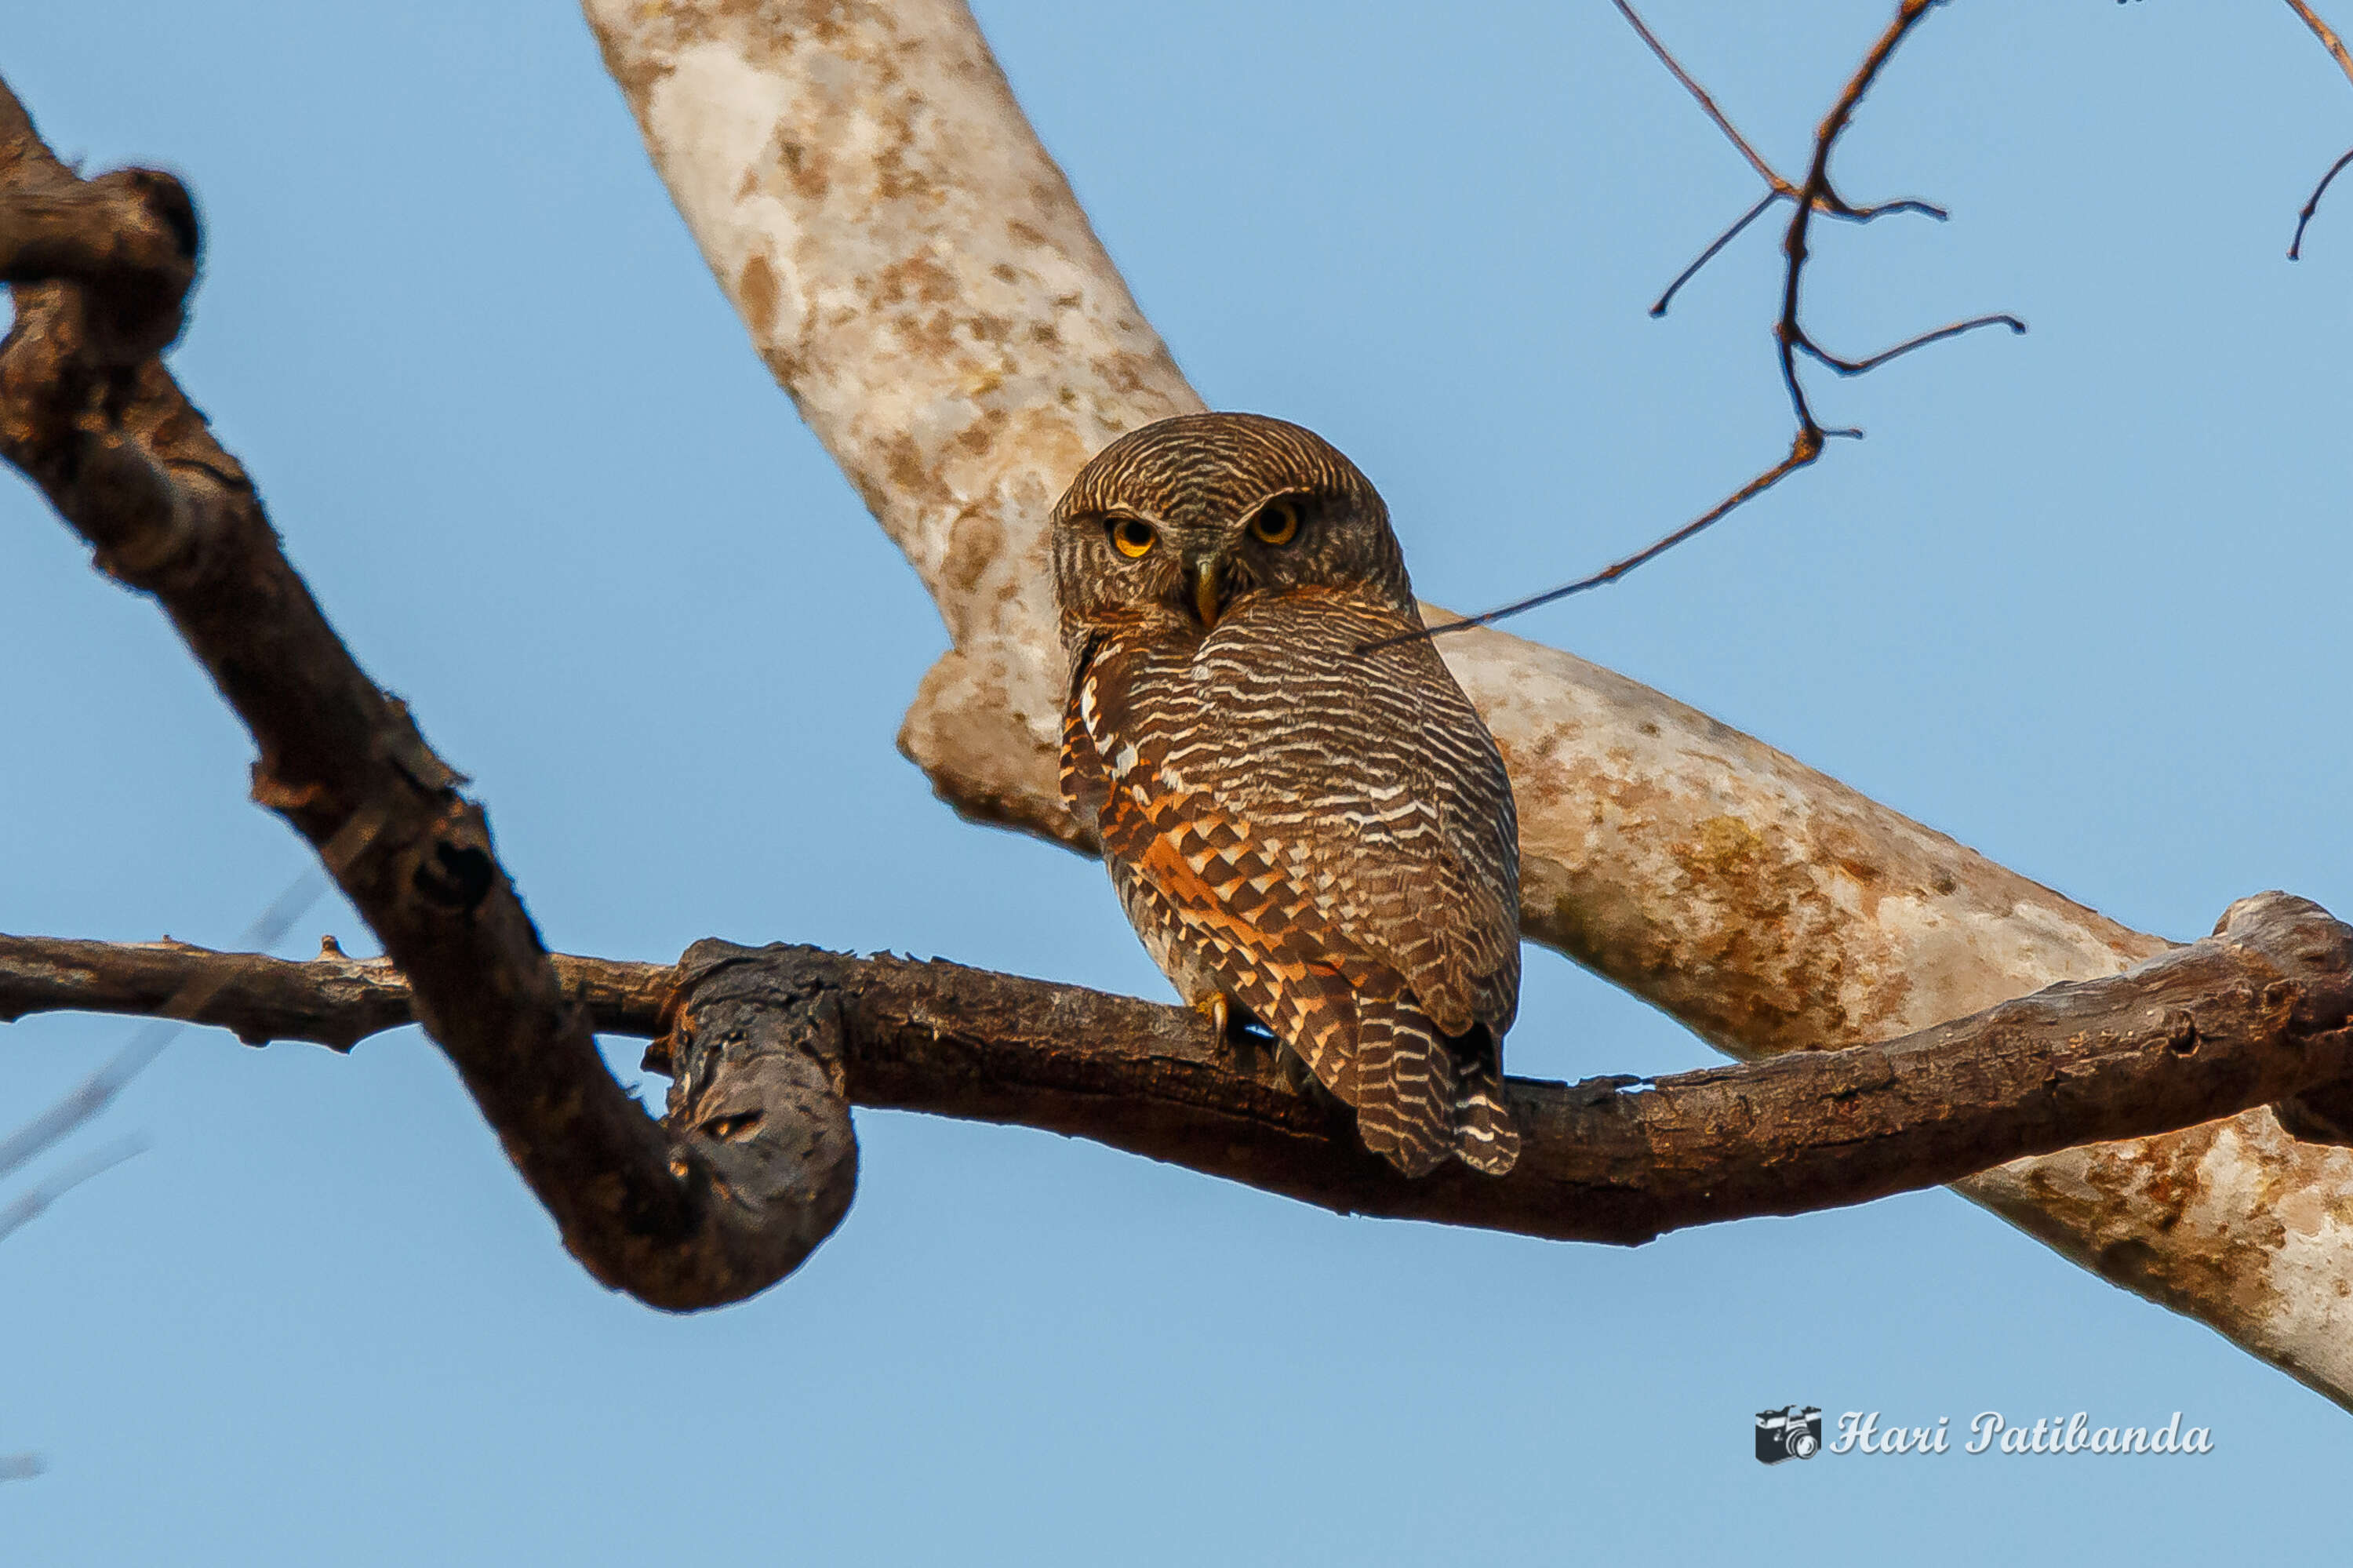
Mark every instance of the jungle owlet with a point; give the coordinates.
(1317, 833)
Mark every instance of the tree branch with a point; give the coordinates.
(2261, 1011)
(333, 999)
(671, 1214)
(913, 268)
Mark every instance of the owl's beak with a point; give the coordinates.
(1206, 572)
(1205, 593)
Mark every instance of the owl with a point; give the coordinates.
(1306, 821)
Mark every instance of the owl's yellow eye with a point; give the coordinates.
(1275, 523)
(1131, 537)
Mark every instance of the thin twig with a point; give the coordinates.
(1667, 297)
(1765, 171)
(20, 1213)
(1790, 335)
(1797, 460)
(1857, 367)
(2312, 205)
(2335, 46)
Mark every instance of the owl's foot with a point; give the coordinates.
(1238, 1032)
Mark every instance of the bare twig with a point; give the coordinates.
(1857, 367)
(1765, 171)
(1667, 295)
(1790, 338)
(2259, 1012)
(27, 1207)
(2312, 206)
(673, 1213)
(2344, 58)
(1777, 188)
(1799, 457)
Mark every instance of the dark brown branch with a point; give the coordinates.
(333, 999)
(668, 1212)
(2260, 1012)
(130, 236)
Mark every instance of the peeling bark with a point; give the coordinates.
(913, 268)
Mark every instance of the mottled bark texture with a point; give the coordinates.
(2260, 1010)
(914, 270)
(99, 269)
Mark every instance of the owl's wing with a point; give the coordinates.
(1353, 797)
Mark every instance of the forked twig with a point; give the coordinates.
(1790, 338)
(1778, 187)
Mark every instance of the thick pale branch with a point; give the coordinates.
(913, 268)
(674, 1216)
(2261, 1011)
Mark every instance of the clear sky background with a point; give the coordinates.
(2080, 601)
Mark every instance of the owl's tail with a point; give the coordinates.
(1418, 1101)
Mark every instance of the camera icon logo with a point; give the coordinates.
(1792, 1432)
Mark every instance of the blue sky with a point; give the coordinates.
(2079, 599)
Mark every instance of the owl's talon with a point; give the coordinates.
(1219, 1008)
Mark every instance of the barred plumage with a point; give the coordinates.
(1321, 835)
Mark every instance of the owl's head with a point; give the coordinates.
(1188, 517)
